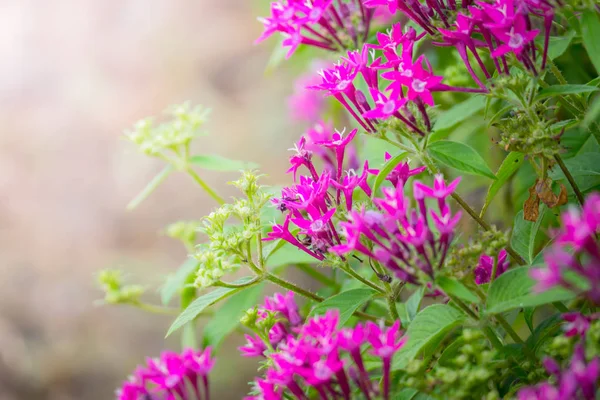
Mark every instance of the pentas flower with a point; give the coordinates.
(485, 268)
(171, 376)
(411, 81)
(326, 359)
(578, 324)
(401, 172)
(400, 237)
(308, 204)
(578, 381)
(325, 24)
(575, 252)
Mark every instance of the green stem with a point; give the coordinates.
(312, 296)
(348, 270)
(560, 306)
(489, 333)
(516, 338)
(324, 279)
(205, 186)
(570, 178)
(238, 286)
(463, 306)
(393, 310)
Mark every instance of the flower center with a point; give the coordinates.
(418, 85)
(516, 40)
(389, 107)
(317, 226)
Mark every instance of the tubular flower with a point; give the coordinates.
(400, 237)
(575, 254)
(328, 360)
(326, 24)
(411, 81)
(483, 272)
(308, 204)
(171, 376)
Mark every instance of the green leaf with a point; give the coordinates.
(346, 302)
(427, 330)
(461, 157)
(559, 90)
(593, 113)
(413, 304)
(150, 187)
(405, 394)
(198, 305)
(177, 280)
(385, 171)
(522, 233)
(559, 44)
(545, 331)
(228, 316)
(456, 288)
(514, 289)
(528, 314)
(509, 166)
(214, 162)
(590, 32)
(459, 113)
(584, 168)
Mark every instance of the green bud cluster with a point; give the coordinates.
(175, 134)
(470, 373)
(231, 229)
(111, 281)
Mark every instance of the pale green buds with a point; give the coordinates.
(184, 231)
(111, 282)
(174, 134)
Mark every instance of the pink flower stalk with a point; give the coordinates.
(578, 381)
(575, 251)
(411, 82)
(483, 272)
(171, 376)
(400, 237)
(321, 356)
(319, 23)
(322, 132)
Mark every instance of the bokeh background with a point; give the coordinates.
(74, 74)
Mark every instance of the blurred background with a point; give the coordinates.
(74, 75)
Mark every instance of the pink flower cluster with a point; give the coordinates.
(575, 251)
(306, 105)
(484, 270)
(308, 204)
(322, 357)
(400, 237)
(325, 24)
(172, 376)
(505, 27)
(409, 80)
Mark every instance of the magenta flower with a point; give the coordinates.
(401, 172)
(306, 105)
(171, 376)
(384, 107)
(577, 323)
(385, 343)
(401, 238)
(578, 236)
(254, 347)
(515, 39)
(483, 272)
(323, 24)
(286, 305)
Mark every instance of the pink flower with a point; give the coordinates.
(401, 172)
(305, 105)
(254, 347)
(384, 107)
(483, 272)
(577, 323)
(515, 38)
(286, 305)
(169, 376)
